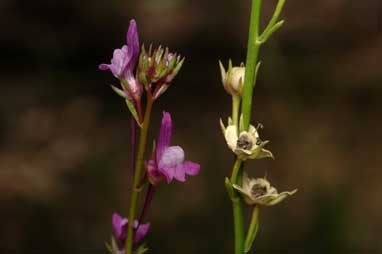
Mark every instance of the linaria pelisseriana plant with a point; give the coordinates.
(242, 138)
(145, 76)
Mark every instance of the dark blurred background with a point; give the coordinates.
(64, 151)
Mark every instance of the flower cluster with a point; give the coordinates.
(246, 144)
(138, 71)
(159, 67)
(149, 73)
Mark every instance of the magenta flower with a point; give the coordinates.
(169, 161)
(123, 64)
(120, 225)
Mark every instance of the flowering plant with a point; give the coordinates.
(144, 76)
(242, 138)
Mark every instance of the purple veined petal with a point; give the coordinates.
(168, 172)
(121, 58)
(127, 58)
(119, 226)
(191, 168)
(132, 44)
(103, 67)
(141, 232)
(164, 137)
(180, 173)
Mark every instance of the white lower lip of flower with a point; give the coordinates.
(231, 137)
(172, 156)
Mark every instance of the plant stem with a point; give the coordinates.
(235, 109)
(149, 197)
(235, 170)
(137, 175)
(249, 80)
(133, 137)
(237, 210)
(251, 62)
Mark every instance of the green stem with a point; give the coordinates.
(235, 109)
(236, 170)
(137, 175)
(252, 230)
(251, 62)
(239, 225)
(272, 22)
(237, 210)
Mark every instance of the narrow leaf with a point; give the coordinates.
(118, 91)
(252, 230)
(133, 111)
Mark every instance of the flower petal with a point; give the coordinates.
(141, 232)
(172, 156)
(246, 195)
(231, 136)
(191, 168)
(164, 138)
(103, 67)
(119, 62)
(119, 226)
(273, 199)
(133, 43)
(168, 172)
(180, 173)
(260, 151)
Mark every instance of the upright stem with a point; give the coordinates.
(252, 230)
(237, 210)
(251, 62)
(246, 107)
(235, 109)
(133, 137)
(137, 175)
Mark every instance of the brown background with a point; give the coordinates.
(64, 147)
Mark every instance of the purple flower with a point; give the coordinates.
(124, 61)
(120, 225)
(168, 161)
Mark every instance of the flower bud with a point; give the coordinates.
(159, 67)
(233, 79)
